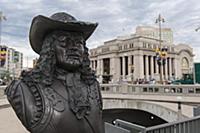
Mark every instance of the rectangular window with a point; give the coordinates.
(125, 47)
(149, 63)
(197, 90)
(144, 62)
(144, 45)
(121, 66)
(126, 65)
(95, 64)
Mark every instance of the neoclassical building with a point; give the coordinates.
(132, 57)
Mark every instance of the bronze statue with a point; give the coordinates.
(60, 94)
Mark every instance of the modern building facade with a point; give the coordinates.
(11, 61)
(152, 32)
(132, 57)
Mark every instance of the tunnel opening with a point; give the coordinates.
(136, 116)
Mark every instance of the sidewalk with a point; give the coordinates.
(4, 102)
(9, 122)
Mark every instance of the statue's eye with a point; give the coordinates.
(62, 44)
(80, 45)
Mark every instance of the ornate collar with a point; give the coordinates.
(62, 74)
(78, 92)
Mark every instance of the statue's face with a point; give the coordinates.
(69, 50)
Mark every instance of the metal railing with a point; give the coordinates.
(190, 125)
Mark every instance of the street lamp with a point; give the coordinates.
(160, 52)
(197, 29)
(179, 99)
(2, 17)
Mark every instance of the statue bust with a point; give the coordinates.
(60, 94)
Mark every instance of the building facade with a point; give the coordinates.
(11, 61)
(35, 62)
(152, 32)
(133, 57)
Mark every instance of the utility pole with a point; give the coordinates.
(2, 17)
(197, 29)
(27, 62)
(160, 20)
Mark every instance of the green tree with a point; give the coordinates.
(6, 76)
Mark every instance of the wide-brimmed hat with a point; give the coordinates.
(42, 25)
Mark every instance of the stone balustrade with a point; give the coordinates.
(189, 90)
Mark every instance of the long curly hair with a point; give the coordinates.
(44, 70)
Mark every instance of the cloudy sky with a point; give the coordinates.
(115, 18)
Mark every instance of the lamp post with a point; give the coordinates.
(2, 17)
(179, 99)
(197, 29)
(160, 61)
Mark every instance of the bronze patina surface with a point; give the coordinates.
(60, 94)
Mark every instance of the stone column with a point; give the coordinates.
(161, 72)
(99, 70)
(152, 67)
(116, 68)
(101, 64)
(112, 67)
(147, 67)
(98, 67)
(166, 71)
(177, 67)
(156, 75)
(157, 67)
(129, 67)
(170, 68)
(91, 64)
(138, 65)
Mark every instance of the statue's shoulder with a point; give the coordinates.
(15, 96)
(12, 87)
(14, 91)
(26, 101)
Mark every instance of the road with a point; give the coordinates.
(9, 122)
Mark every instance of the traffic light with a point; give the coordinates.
(161, 55)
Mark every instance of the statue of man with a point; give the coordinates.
(60, 94)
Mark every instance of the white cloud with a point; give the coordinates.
(115, 17)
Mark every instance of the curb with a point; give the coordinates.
(4, 103)
(4, 106)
